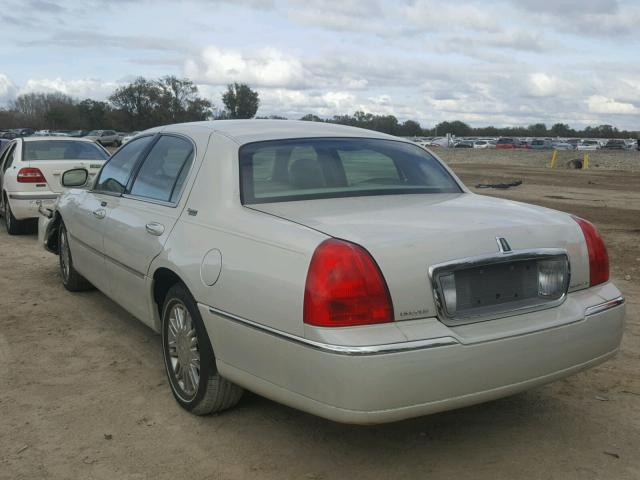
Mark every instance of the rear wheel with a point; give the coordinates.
(14, 226)
(189, 359)
(71, 279)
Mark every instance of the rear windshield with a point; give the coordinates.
(62, 150)
(304, 169)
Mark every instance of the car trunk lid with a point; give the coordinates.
(408, 234)
(53, 170)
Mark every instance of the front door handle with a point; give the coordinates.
(155, 228)
(100, 213)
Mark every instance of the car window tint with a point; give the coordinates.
(62, 150)
(367, 166)
(300, 169)
(164, 171)
(116, 172)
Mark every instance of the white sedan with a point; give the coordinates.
(30, 171)
(340, 271)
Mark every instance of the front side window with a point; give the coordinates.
(116, 172)
(303, 169)
(62, 150)
(10, 154)
(164, 171)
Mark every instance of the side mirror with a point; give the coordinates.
(75, 178)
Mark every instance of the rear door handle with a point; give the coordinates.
(100, 213)
(154, 228)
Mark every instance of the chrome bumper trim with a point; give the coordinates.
(603, 307)
(26, 196)
(340, 349)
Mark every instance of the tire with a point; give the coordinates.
(14, 226)
(202, 390)
(71, 279)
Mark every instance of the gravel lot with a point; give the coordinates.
(83, 391)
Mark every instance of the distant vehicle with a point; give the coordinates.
(638, 144)
(507, 143)
(23, 132)
(463, 144)
(30, 171)
(78, 133)
(483, 144)
(539, 144)
(588, 145)
(8, 135)
(616, 145)
(42, 133)
(574, 141)
(129, 136)
(524, 144)
(105, 137)
(562, 145)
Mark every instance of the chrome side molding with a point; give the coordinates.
(356, 350)
(603, 307)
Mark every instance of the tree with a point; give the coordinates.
(179, 101)
(410, 128)
(139, 101)
(537, 130)
(457, 128)
(310, 117)
(240, 101)
(561, 130)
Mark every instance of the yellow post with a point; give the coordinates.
(554, 158)
(585, 161)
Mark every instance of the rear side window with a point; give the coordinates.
(62, 150)
(164, 171)
(116, 172)
(305, 169)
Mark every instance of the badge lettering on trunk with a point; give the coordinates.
(503, 245)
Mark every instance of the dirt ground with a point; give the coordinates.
(83, 392)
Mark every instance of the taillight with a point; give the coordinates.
(31, 175)
(598, 257)
(345, 287)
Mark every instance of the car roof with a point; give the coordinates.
(247, 131)
(68, 139)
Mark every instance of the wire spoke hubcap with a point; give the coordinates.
(182, 343)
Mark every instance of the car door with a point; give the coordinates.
(5, 163)
(85, 216)
(138, 223)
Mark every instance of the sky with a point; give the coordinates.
(491, 62)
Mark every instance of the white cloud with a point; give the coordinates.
(83, 88)
(265, 67)
(602, 104)
(7, 89)
(545, 85)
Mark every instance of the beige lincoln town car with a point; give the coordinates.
(340, 271)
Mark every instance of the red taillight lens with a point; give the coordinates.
(345, 287)
(31, 175)
(598, 257)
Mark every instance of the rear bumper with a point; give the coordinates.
(428, 375)
(25, 205)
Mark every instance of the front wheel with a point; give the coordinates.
(189, 359)
(71, 279)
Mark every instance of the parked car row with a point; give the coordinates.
(109, 138)
(326, 267)
(530, 143)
